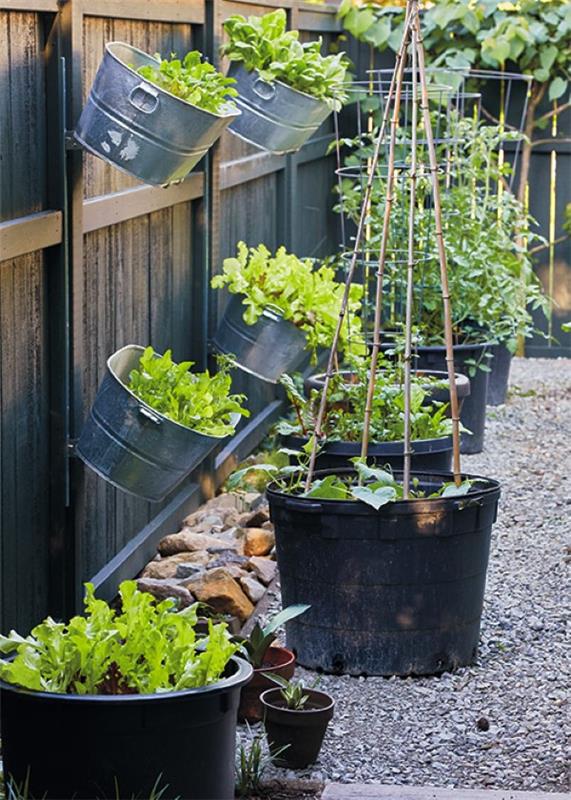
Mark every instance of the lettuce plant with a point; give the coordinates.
(308, 297)
(194, 81)
(144, 648)
(263, 44)
(197, 400)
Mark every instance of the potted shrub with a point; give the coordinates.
(155, 118)
(153, 420)
(266, 658)
(342, 427)
(281, 304)
(121, 703)
(286, 88)
(417, 567)
(295, 719)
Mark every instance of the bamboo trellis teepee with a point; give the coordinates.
(416, 89)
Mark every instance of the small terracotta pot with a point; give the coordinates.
(296, 736)
(279, 661)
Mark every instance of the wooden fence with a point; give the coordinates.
(90, 260)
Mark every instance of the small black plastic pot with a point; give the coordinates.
(500, 374)
(398, 591)
(431, 455)
(74, 746)
(299, 732)
(266, 349)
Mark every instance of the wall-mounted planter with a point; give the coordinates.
(140, 128)
(131, 445)
(267, 349)
(274, 116)
(84, 746)
(430, 455)
(414, 600)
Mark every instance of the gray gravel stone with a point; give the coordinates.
(428, 731)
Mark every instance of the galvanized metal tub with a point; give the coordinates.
(131, 445)
(274, 116)
(267, 349)
(140, 128)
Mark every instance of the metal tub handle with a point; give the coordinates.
(144, 98)
(263, 89)
(154, 418)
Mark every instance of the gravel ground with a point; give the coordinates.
(428, 730)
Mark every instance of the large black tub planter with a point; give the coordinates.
(473, 414)
(133, 446)
(430, 455)
(268, 348)
(500, 374)
(72, 746)
(398, 591)
(139, 127)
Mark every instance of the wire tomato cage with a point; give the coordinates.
(409, 142)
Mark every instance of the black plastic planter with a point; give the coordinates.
(131, 445)
(300, 733)
(434, 394)
(500, 374)
(431, 455)
(397, 591)
(71, 746)
(267, 349)
(473, 414)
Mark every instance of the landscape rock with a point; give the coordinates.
(165, 589)
(188, 541)
(186, 570)
(219, 590)
(252, 588)
(254, 519)
(258, 541)
(167, 567)
(264, 568)
(227, 557)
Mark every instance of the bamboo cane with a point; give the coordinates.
(442, 255)
(383, 249)
(410, 272)
(399, 68)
